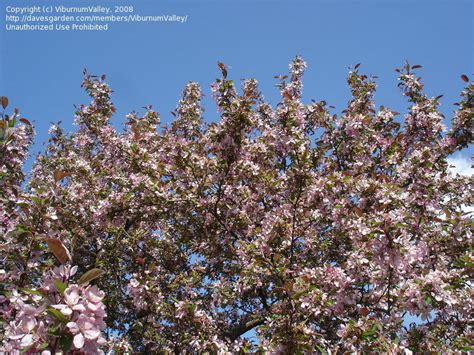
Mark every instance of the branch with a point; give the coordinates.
(243, 327)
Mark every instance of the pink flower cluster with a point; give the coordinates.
(42, 317)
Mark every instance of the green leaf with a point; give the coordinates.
(22, 229)
(54, 330)
(61, 286)
(43, 346)
(321, 349)
(90, 275)
(347, 178)
(58, 315)
(36, 200)
(429, 300)
(65, 342)
(371, 332)
(31, 292)
(12, 122)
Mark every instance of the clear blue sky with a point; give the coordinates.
(150, 63)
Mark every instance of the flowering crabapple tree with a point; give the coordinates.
(318, 233)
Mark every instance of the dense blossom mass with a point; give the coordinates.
(315, 232)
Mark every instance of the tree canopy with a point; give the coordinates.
(318, 232)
